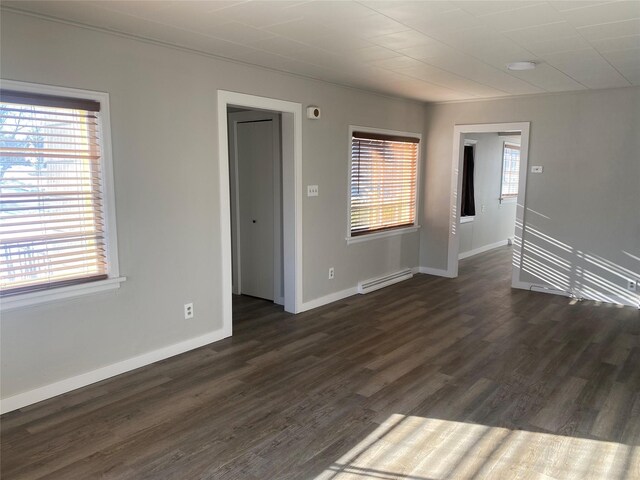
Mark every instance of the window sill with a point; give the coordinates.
(508, 200)
(386, 233)
(467, 219)
(45, 296)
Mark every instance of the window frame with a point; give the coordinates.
(513, 197)
(392, 231)
(113, 279)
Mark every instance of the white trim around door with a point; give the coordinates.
(291, 195)
(456, 187)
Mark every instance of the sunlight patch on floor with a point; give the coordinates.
(416, 448)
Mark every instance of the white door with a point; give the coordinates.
(256, 216)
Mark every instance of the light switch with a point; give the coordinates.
(312, 190)
(536, 169)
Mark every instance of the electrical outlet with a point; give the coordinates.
(188, 311)
(632, 285)
(332, 273)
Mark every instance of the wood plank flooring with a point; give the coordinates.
(429, 379)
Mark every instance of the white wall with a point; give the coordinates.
(498, 220)
(582, 216)
(164, 128)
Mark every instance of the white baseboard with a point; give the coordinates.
(63, 386)
(332, 297)
(483, 249)
(438, 272)
(521, 285)
(540, 288)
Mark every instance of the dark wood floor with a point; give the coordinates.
(429, 379)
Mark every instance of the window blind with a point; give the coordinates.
(52, 230)
(510, 171)
(383, 182)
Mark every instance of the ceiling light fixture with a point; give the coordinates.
(521, 66)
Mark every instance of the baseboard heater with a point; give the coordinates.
(373, 284)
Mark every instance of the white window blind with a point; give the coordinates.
(52, 229)
(383, 182)
(510, 171)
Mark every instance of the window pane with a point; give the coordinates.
(510, 170)
(51, 217)
(383, 183)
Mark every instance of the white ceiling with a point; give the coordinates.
(425, 50)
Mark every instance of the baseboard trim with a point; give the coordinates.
(438, 272)
(541, 288)
(532, 287)
(483, 249)
(63, 386)
(332, 297)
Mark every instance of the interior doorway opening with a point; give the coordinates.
(255, 186)
(490, 174)
(290, 116)
(488, 192)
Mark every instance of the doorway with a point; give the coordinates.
(490, 173)
(488, 192)
(255, 185)
(291, 153)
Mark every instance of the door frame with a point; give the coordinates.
(291, 118)
(456, 186)
(234, 119)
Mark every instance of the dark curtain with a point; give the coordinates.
(468, 198)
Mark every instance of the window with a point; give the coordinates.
(468, 201)
(383, 182)
(510, 171)
(56, 223)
